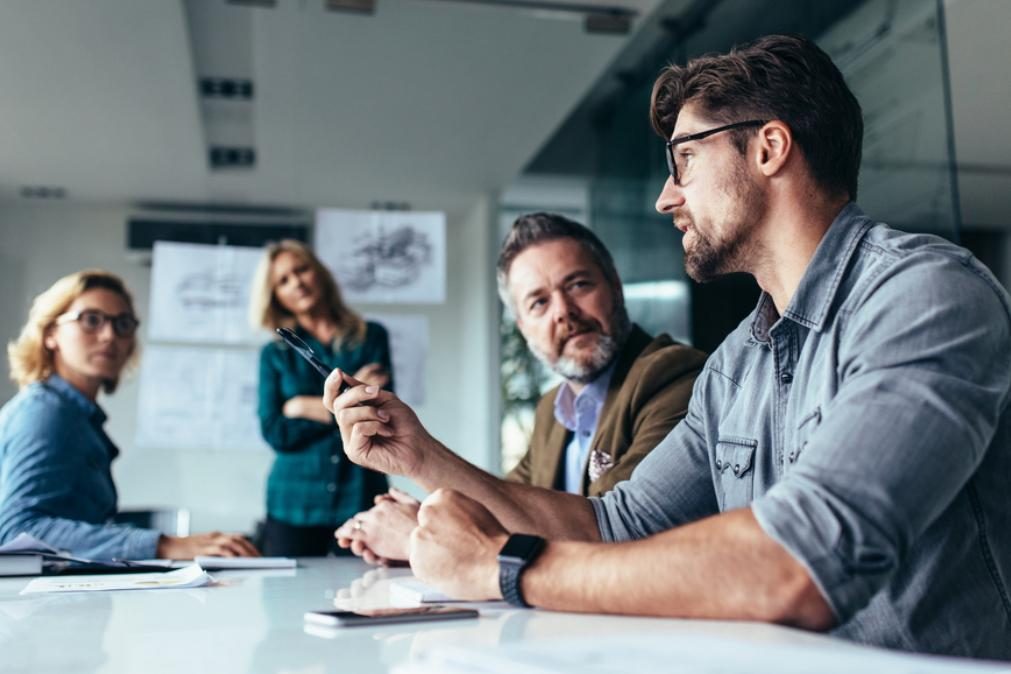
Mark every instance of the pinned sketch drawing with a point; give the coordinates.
(200, 293)
(384, 256)
(198, 398)
(409, 351)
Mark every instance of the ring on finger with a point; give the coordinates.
(356, 524)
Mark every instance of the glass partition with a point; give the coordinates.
(891, 53)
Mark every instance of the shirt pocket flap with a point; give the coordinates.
(736, 455)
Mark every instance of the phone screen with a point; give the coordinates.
(383, 616)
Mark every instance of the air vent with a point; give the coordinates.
(214, 228)
(223, 157)
(227, 88)
(353, 6)
(269, 4)
(42, 192)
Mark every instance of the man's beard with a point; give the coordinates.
(605, 350)
(709, 258)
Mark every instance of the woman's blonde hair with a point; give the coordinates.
(29, 358)
(266, 312)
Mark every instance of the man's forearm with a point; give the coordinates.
(519, 507)
(723, 567)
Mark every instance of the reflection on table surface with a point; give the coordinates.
(251, 621)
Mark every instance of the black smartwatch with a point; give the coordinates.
(514, 557)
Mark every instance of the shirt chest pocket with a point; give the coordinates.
(805, 429)
(735, 474)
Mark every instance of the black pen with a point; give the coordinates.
(304, 350)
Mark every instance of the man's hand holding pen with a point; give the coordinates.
(379, 431)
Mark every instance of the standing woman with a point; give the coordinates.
(55, 458)
(312, 487)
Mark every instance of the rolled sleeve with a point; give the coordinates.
(672, 485)
(924, 380)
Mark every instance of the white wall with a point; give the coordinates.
(40, 242)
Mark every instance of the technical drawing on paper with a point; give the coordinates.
(211, 289)
(384, 256)
(200, 293)
(387, 258)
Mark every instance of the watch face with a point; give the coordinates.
(520, 547)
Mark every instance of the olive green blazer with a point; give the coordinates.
(647, 396)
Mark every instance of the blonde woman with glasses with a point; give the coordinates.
(312, 487)
(55, 457)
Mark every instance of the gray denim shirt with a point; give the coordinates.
(868, 430)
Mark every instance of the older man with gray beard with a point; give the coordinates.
(623, 390)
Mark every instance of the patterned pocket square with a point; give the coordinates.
(600, 463)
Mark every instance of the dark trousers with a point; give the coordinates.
(287, 540)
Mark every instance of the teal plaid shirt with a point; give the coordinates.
(312, 482)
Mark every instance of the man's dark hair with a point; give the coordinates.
(536, 228)
(783, 77)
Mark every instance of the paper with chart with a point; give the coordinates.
(198, 398)
(200, 293)
(384, 256)
(189, 576)
(409, 350)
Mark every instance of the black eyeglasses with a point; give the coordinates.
(93, 320)
(672, 160)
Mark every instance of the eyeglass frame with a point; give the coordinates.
(672, 143)
(75, 316)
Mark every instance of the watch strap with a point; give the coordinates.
(509, 583)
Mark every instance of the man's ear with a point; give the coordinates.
(773, 147)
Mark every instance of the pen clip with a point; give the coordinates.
(295, 341)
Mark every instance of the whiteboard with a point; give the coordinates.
(198, 398)
(200, 293)
(385, 256)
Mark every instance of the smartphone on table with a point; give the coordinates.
(388, 616)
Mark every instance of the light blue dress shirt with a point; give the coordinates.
(868, 430)
(579, 414)
(56, 478)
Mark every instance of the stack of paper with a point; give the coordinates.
(190, 576)
(23, 556)
(224, 563)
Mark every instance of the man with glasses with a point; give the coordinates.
(623, 390)
(845, 458)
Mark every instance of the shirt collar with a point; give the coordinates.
(66, 391)
(568, 404)
(813, 298)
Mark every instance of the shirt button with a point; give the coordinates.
(785, 377)
(737, 469)
(719, 465)
(331, 487)
(335, 459)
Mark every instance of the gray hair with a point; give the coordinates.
(536, 228)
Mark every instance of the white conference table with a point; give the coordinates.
(251, 621)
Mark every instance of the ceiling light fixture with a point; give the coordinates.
(601, 19)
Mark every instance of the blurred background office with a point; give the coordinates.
(232, 122)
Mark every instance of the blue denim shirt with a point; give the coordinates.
(55, 475)
(868, 430)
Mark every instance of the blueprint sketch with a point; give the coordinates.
(200, 293)
(409, 352)
(198, 398)
(385, 256)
